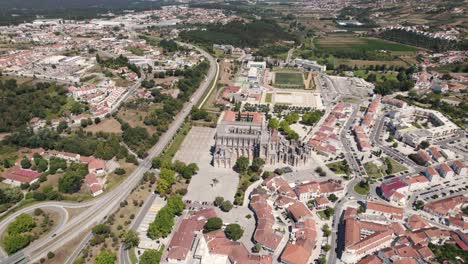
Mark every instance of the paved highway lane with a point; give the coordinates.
(103, 206)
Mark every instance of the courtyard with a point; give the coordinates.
(210, 181)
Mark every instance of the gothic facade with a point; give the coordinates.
(246, 134)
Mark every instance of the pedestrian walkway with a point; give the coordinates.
(145, 241)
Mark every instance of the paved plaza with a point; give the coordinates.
(294, 97)
(210, 181)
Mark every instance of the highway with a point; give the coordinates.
(100, 208)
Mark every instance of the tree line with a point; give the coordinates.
(417, 39)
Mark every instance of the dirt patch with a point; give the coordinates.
(64, 252)
(135, 118)
(108, 126)
(52, 180)
(114, 179)
(118, 223)
(225, 70)
(73, 212)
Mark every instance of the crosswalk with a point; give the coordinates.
(145, 241)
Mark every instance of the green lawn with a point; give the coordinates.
(376, 172)
(323, 215)
(361, 190)
(373, 170)
(289, 79)
(396, 167)
(268, 98)
(339, 167)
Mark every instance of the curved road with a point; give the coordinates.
(103, 206)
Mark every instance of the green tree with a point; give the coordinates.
(22, 223)
(131, 239)
(273, 123)
(15, 242)
(332, 197)
(175, 204)
(218, 201)
(257, 164)
(242, 165)
(212, 224)
(326, 230)
(234, 232)
(62, 126)
(25, 163)
(292, 117)
(101, 229)
(311, 118)
(42, 165)
(151, 256)
(162, 224)
(105, 257)
(226, 206)
(424, 144)
(70, 182)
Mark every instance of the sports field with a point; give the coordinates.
(289, 79)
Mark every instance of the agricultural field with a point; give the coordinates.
(351, 43)
(289, 79)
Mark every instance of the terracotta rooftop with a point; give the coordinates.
(299, 211)
(236, 252)
(443, 206)
(385, 208)
(264, 232)
(299, 251)
(16, 173)
(416, 222)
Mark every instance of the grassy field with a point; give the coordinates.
(174, 146)
(396, 167)
(268, 98)
(376, 172)
(347, 42)
(339, 167)
(390, 75)
(108, 126)
(361, 190)
(373, 170)
(289, 79)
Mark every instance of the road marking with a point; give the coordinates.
(212, 87)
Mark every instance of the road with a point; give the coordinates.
(103, 206)
(347, 149)
(396, 155)
(335, 236)
(123, 252)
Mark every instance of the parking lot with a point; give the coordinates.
(210, 182)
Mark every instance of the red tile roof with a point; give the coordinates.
(264, 232)
(299, 251)
(236, 252)
(182, 239)
(16, 173)
(385, 208)
(299, 211)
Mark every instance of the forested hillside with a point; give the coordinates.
(20, 103)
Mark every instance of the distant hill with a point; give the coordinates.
(67, 4)
(19, 11)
